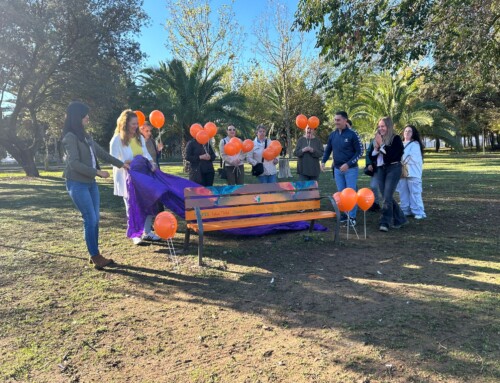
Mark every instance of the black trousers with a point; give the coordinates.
(235, 175)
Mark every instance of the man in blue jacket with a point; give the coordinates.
(347, 149)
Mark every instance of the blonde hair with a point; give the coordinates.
(387, 139)
(122, 126)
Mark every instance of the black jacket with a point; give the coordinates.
(193, 152)
(391, 153)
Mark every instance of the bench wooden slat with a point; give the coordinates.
(249, 189)
(243, 206)
(249, 199)
(259, 221)
(223, 212)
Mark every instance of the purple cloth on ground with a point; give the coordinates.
(146, 188)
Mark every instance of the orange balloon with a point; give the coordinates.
(313, 122)
(276, 145)
(156, 118)
(211, 129)
(274, 151)
(202, 137)
(194, 129)
(269, 154)
(338, 200)
(237, 143)
(247, 145)
(301, 121)
(140, 117)
(165, 225)
(366, 198)
(230, 149)
(349, 198)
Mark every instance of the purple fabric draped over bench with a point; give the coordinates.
(146, 188)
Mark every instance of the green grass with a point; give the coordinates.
(423, 300)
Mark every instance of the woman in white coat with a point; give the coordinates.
(125, 145)
(410, 188)
(255, 156)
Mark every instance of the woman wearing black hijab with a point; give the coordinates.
(81, 154)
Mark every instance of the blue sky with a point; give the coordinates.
(153, 38)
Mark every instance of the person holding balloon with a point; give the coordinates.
(201, 155)
(230, 149)
(81, 154)
(308, 151)
(125, 145)
(263, 153)
(386, 155)
(154, 148)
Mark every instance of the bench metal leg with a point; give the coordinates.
(200, 248)
(311, 226)
(200, 235)
(336, 237)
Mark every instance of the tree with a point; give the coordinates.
(477, 109)
(398, 96)
(255, 85)
(193, 96)
(193, 35)
(457, 41)
(54, 51)
(281, 48)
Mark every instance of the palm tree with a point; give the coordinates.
(192, 96)
(397, 96)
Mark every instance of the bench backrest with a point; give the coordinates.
(226, 202)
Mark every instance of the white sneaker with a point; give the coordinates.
(150, 237)
(137, 240)
(419, 217)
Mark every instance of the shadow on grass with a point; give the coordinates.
(404, 314)
(403, 293)
(42, 252)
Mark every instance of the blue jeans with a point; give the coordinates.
(267, 179)
(387, 178)
(375, 190)
(86, 199)
(347, 179)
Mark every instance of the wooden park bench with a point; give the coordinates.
(240, 206)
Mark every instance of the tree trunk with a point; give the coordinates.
(28, 164)
(23, 155)
(47, 155)
(438, 144)
(478, 145)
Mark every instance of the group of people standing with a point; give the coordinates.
(309, 150)
(386, 155)
(385, 158)
(201, 159)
